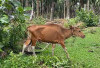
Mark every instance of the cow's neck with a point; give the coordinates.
(67, 33)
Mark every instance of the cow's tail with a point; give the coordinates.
(28, 33)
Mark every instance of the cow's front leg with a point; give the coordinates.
(33, 46)
(33, 50)
(65, 49)
(53, 46)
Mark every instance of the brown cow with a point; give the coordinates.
(52, 33)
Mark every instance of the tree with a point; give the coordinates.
(81, 3)
(64, 9)
(37, 7)
(26, 3)
(42, 7)
(52, 11)
(32, 11)
(68, 8)
(88, 5)
(95, 6)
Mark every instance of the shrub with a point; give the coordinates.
(88, 17)
(22, 61)
(11, 35)
(19, 61)
(39, 20)
(71, 22)
(56, 62)
(12, 25)
(66, 25)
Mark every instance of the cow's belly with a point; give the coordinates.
(51, 36)
(49, 41)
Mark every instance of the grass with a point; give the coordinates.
(84, 53)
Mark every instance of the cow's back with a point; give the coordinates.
(47, 33)
(53, 26)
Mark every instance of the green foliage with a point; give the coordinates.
(1, 46)
(54, 61)
(4, 19)
(71, 22)
(12, 8)
(66, 25)
(39, 20)
(12, 24)
(19, 61)
(27, 8)
(14, 34)
(88, 17)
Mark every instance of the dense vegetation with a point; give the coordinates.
(16, 15)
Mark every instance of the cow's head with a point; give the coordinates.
(77, 32)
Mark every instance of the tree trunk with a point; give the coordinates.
(68, 9)
(84, 6)
(52, 11)
(64, 9)
(22, 2)
(88, 5)
(32, 12)
(42, 7)
(37, 8)
(81, 4)
(47, 12)
(26, 3)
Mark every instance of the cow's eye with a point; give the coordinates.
(79, 31)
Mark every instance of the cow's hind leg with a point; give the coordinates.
(65, 49)
(33, 46)
(24, 47)
(53, 46)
